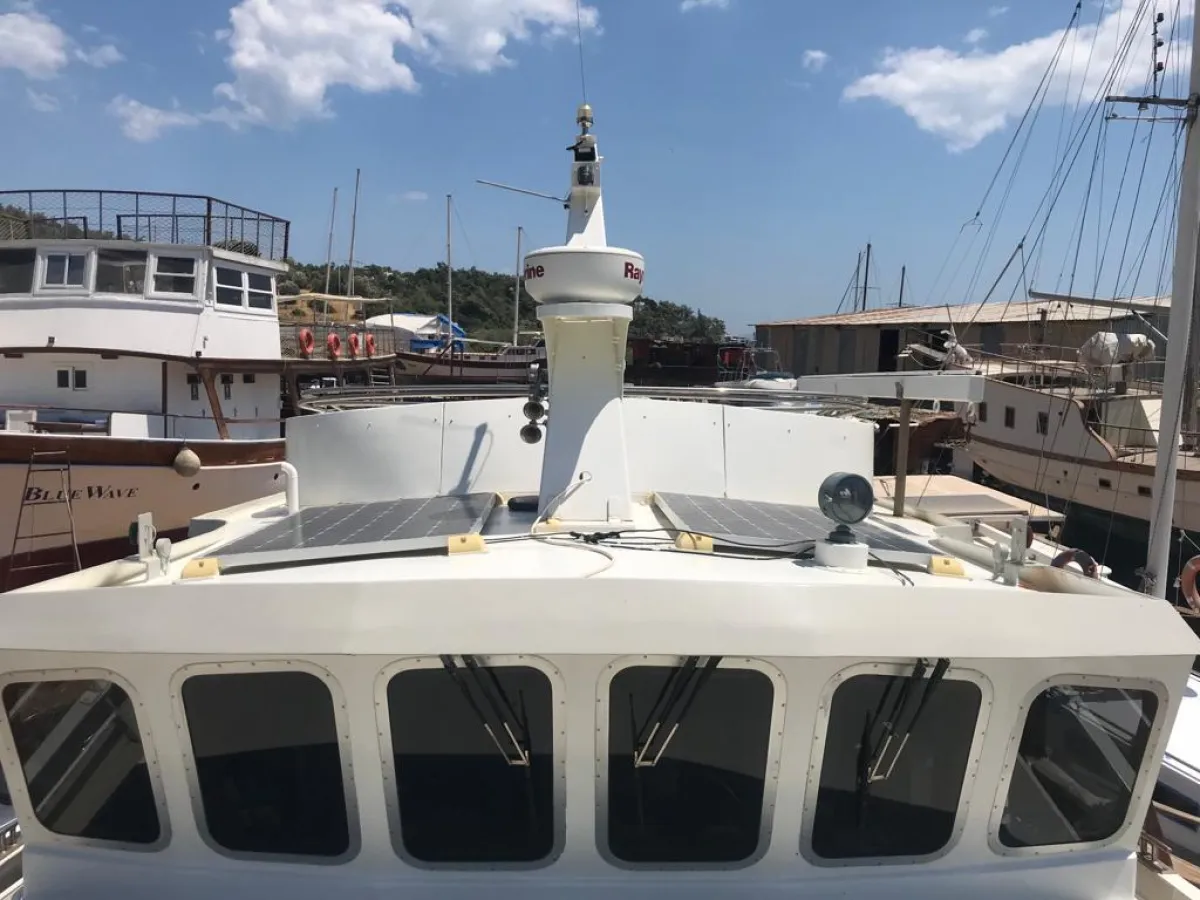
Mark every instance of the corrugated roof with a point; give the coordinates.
(976, 313)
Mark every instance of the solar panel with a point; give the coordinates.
(360, 529)
(753, 524)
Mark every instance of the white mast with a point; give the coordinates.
(585, 291)
(353, 229)
(449, 282)
(1183, 287)
(517, 292)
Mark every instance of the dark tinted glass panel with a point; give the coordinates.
(229, 296)
(259, 300)
(461, 798)
(16, 271)
(702, 801)
(1080, 754)
(175, 275)
(229, 277)
(64, 378)
(258, 282)
(82, 759)
(121, 271)
(880, 798)
(267, 759)
(81, 381)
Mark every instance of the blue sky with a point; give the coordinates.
(752, 146)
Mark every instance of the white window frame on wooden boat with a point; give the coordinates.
(341, 720)
(1142, 786)
(817, 762)
(558, 700)
(40, 285)
(771, 781)
(19, 789)
(152, 278)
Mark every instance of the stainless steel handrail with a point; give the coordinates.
(331, 399)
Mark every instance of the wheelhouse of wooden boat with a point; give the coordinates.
(591, 644)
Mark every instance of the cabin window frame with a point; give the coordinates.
(198, 267)
(773, 762)
(812, 785)
(18, 788)
(1142, 784)
(383, 721)
(246, 290)
(341, 720)
(41, 266)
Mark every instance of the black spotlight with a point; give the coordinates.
(531, 433)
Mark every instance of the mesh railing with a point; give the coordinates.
(142, 216)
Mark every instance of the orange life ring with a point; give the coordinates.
(1187, 582)
(370, 342)
(333, 344)
(306, 342)
(1080, 557)
(355, 344)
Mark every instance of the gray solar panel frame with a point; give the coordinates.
(404, 523)
(747, 525)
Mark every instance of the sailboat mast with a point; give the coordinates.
(449, 279)
(903, 269)
(329, 249)
(866, 277)
(517, 292)
(1183, 287)
(353, 228)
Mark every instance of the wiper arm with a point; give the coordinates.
(499, 719)
(670, 708)
(885, 740)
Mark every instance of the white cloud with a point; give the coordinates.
(689, 5)
(814, 60)
(100, 57)
(962, 97)
(140, 122)
(32, 44)
(414, 196)
(996, 11)
(286, 56)
(46, 103)
(975, 35)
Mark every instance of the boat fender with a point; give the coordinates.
(355, 344)
(306, 342)
(1081, 558)
(1187, 582)
(370, 342)
(333, 344)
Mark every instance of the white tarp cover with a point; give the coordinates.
(1106, 348)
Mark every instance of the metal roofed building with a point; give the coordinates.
(871, 340)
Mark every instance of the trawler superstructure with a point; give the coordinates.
(139, 369)
(640, 656)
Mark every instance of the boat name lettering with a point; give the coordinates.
(534, 272)
(91, 492)
(634, 272)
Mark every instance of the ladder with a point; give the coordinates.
(43, 462)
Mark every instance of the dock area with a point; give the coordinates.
(958, 498)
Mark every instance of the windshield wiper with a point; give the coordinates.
(667, 714)
(886, 734)
(499, 719)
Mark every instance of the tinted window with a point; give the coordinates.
(268, 764)
(1079, 757)
(121, 271)
(16, 271)
(82, 758)
(694, 795)
(64, 378)
(461, 735)
(229, 286)
(81, 381)
(881, 798)
(65, 269)
(175, 275)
